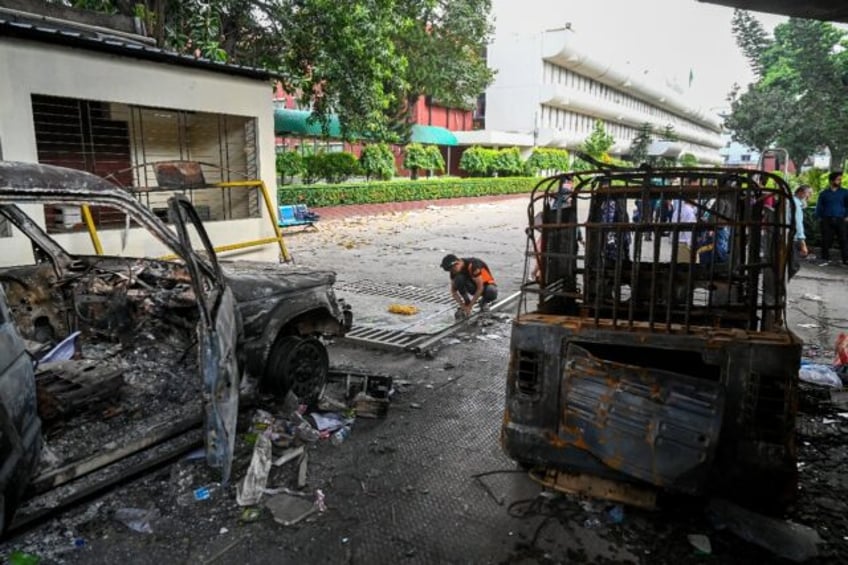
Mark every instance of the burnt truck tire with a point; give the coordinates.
(299, 365)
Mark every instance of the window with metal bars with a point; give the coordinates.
(113, 140)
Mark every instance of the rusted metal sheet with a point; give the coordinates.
(658, 426)
(588, 485)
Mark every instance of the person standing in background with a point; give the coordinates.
(832, 213)
(799, 244)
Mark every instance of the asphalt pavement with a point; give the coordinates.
(429, 483)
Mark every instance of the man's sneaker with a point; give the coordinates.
(485, 306)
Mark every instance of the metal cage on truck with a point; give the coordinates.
(650, 351)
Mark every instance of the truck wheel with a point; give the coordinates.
(297, 364)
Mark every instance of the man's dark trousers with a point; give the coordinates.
(834, 228)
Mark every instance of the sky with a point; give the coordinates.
(666, 37)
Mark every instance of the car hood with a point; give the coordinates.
(252, 281)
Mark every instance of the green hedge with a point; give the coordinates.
(376, 192)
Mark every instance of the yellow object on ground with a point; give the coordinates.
(403, 310)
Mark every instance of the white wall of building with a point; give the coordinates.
(538, 54)
(28, 67)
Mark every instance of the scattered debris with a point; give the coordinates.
(811, 297)
(818, 374)
(808, 326)
(783, 538)
(289, 510)
(64, 350)
(404, 310)
(66, 387)
(249, 491)
(137, 519)
(288, 455)
(701, 543)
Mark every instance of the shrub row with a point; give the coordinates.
(396, 191)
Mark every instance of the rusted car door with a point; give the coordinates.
(218, 333)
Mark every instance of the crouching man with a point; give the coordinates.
(470, 281)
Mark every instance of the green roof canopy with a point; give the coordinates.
(297, 123)
(433, 135)
(288, 122)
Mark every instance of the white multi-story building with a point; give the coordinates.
(552, 85)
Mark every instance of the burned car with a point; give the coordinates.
(651, 353)
(152, 346)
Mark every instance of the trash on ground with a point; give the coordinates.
(808, 326)
(301, 471)
(366, 396)
(818, 374)
(288, 455)
(340, 435)
(783, 538)
(249, 515)
(289, 510)
(319, 500)
(330, 421)
(615, 514)
(701, 543)
(249, 491)
(137, 519)
(403, 310)
(812, 297)
(64, 350)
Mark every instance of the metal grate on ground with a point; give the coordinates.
(409, 337)
(405, 292)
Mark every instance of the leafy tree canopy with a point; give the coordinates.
(367, 61)
(799, 101)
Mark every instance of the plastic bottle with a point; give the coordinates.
(340, 435)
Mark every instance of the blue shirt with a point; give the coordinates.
(799, 219)
(831, 203)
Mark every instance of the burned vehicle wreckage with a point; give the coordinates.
(651, 354)
(154, 347)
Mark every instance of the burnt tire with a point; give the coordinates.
(297, 364)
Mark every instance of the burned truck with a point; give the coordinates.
(128, 353)
(650, 353)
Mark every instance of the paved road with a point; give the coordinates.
(401, 490)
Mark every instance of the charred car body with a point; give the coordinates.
(160, 342)
(658, 359)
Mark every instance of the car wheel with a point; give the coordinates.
(297, 364)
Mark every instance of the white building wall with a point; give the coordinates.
(535, 91)
(28, 67)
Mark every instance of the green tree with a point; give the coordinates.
(366, 61)
(444, 43)
(289, 164)
(478, 161)
(599, 142)
(640, 144)
(415, 157)
(508, 163)
(799, 100)
(548, 160)
(688, 160)
(435, 161)
(377, 161)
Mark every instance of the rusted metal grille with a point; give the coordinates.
(710, 249)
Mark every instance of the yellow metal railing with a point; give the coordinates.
(88, 219)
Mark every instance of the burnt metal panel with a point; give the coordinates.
(657, 426)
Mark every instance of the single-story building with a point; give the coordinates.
(91, 91)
